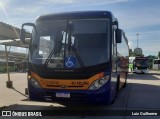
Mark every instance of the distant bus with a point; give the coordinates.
(11, 66)
(77, 57)
(140, 65)
(156, 64)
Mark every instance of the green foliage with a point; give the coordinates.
(159, 54)
(130, 52)
(150, 60)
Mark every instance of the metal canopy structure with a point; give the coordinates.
(13, 56)
(15, 43)
(9, 32)
(10, 36)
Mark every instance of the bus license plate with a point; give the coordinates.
(63, 95)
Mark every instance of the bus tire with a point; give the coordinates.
(117, 85)
(31, 98)
(117, 89)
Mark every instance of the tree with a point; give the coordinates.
(130, 52)
(150, 60)
(159, 54)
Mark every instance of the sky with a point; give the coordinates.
(135, 16)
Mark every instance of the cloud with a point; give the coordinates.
(133, 17)
(136, 18)
(33, 9)
(149, 50)
(148, 41)
(91, 2)
(5, 3)
(57, 2)
(145, 37)
(130, 44)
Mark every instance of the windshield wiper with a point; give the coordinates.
(54, 51)
(78, 56)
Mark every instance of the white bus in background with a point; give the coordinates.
(140, 65)
(156, 64)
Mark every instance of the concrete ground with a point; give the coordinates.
(9, 96)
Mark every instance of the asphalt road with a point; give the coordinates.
(141, 93)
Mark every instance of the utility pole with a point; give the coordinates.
(137, 39)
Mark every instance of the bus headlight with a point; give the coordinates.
(99, 83)
(35, 83)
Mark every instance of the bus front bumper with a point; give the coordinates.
(141, 70)
(101, 96)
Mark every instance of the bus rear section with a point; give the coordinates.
(73, 57)
(141, 65)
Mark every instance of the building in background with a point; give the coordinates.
(138, 52)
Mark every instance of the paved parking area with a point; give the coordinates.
(142, 93)
(12, 96)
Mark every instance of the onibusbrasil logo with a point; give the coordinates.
(21, 113)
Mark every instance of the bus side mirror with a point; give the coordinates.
(118, 36)
(23, 33)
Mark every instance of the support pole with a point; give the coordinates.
(137, 39)
(9, 83)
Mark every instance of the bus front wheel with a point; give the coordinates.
(116, 90)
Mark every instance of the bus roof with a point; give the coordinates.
(77, 15)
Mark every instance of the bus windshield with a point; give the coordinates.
(142, 63)
(76, 43)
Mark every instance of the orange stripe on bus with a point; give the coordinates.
(76, 84)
